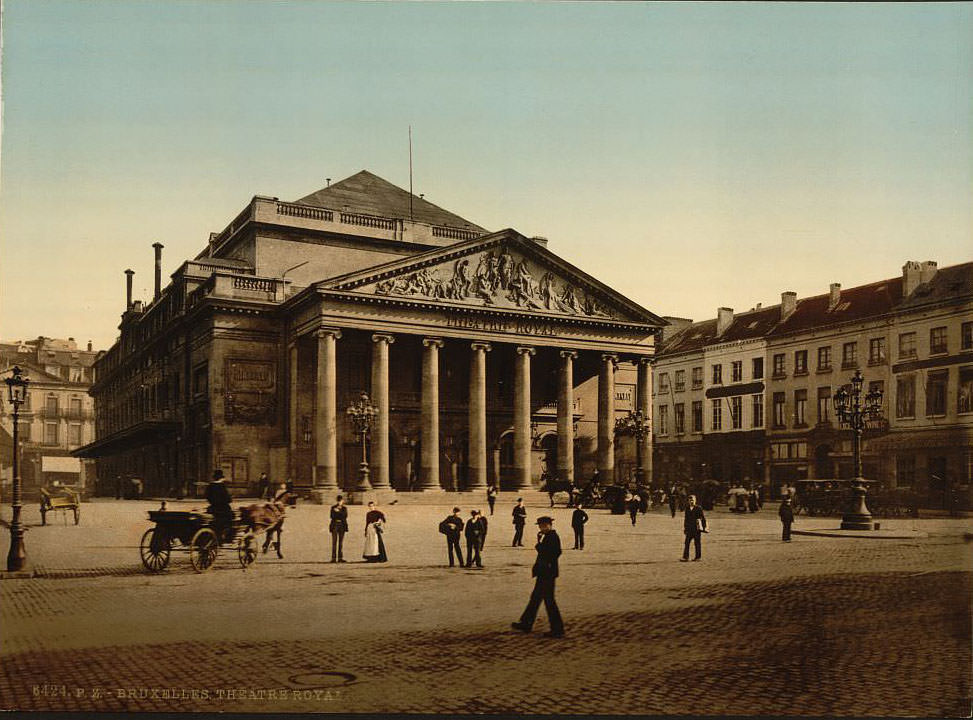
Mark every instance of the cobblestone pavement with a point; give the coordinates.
(819, 626)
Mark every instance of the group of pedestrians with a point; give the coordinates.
(475, 531)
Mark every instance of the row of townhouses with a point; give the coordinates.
(57, 418)
(746, 398)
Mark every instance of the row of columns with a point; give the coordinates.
(326, 412)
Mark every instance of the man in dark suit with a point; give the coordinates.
(786, 513)
(454, 528)
(545, 571)
(520, 519)
(694, 525)
(338, 528)
(474, 539)
(578, 518)
(219, 499)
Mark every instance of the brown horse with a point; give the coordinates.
(265, 517)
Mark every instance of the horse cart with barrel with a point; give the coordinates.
(201, 535)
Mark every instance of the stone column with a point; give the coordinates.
(380, 398)
(326, 413)
(293, 419)
(522, 439)
(478, 426)
(606, 419)
(429, 462)
(643, 392)
(565, 417)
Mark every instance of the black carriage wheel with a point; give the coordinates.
(246, 549)
(77, 514)
(154, 549)
(203, 549)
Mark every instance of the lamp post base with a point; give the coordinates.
(363, 479)
(857, 517)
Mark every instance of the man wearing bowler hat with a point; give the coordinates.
(545, 572)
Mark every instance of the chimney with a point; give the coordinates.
(835, 296)
(89, 346)
(724, 318)
(128, 289)
(158, 269)
(927, 271)
(788, 304)
(911, 274)
(328, 181)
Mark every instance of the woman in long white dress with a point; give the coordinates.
(374, 528)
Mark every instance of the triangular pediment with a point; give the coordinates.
(503, 271)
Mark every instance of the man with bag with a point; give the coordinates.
(451, 527)
(694, 525)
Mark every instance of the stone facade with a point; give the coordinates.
(489, 358)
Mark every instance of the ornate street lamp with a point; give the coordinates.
(635, 423)
(856, 408)
(17, 394)
(362, 414)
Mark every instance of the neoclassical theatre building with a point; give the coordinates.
(487, 356)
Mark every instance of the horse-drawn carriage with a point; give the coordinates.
(201, 535)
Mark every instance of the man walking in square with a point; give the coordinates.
(492, 497)
(545, 572)
(694, 525)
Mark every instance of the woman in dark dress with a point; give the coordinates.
(374, 529)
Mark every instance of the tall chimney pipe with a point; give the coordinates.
(128, 289)
(158, 269)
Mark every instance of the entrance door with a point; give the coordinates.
(822, 462)
(937, 482)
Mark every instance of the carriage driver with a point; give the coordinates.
(218, 497)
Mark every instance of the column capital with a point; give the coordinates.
(524, 350)
(383, 337)
(573, 354)
(327, 332)
(642, 360)
(432, 342)
(484, 346)
(610, 357)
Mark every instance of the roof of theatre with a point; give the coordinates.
(856, 304)
(367, 193)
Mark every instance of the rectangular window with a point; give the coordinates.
(824, 404)
(965, 399)
(679, 418)
(905, 397)
(717, 414)
(905, 470)
(736, 411)
(663, 420)
(757, 368)
(75, 407)
(697, 378)
(876, 351)
(936, 392)
(717, 374)
(779, 365)
(757, 416)
(200, 380)
(937, 340)
(74, 434)
(876, 386)
(824, 358)
(24, 428)
(849, 355)
(779, 400)
(907, 345)
(697, 416)
(966, 335)
(663, 383)
(800, 362)
(50, 433)
(800, 408)
(680, 380)
(50, 405)
(736, 371)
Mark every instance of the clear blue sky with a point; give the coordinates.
(689, 155)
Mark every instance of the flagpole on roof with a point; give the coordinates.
(410, 172)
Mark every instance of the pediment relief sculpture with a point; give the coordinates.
(496, 278)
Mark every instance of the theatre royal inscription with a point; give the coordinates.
(522, 326)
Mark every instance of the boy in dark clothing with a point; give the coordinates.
(578, 518)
